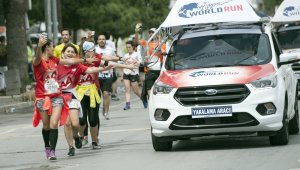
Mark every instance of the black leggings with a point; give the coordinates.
(91, 113)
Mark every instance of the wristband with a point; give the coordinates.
(105, 63)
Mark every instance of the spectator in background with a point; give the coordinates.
(3, 52)
(90, 36)
(66, 38)
(109, 42)
(153, 64)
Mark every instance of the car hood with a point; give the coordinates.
(215, 76)
(295, 50)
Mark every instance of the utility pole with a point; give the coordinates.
(55, 23)
(47, 5)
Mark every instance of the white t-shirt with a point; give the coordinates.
(110, 44)
(107, 51)
(130, 59)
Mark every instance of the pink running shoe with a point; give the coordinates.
(47, 151)
(52, 155)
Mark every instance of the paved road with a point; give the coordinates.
(126, 145)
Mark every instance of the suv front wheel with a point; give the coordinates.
(161, 145)
(294, 123)
(282, 136)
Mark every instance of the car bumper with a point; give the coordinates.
(245, 118)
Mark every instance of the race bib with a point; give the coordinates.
(51, 86)
(105, 75)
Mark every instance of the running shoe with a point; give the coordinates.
(71, 151)
(145, 103)
(52, 155)
(84, 142)
(106, 116)
(95, 146)
(47, 151)
(114, 97)
(127, 106)
(78, 142)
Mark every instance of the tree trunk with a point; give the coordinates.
(16, 38)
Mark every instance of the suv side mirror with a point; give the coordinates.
(288, 58)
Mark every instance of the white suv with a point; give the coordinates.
(224, 79)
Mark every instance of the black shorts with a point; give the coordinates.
(150, 78)
(115, 77)
(106, 84)
(131, 78)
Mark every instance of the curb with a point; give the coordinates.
(11, 107)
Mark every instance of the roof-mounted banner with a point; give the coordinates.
(288, 11)
(187, 12)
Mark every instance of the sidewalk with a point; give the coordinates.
(11, 103)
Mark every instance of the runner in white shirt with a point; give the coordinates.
(131, 77)
(106, 77)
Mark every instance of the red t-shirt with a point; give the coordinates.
(68, 76)
(86, 79)
(45, 74)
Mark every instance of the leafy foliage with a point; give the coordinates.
(118, 17)
(270, 5)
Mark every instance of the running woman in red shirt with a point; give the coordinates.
(87, 91)
(68, 77)
(49, 101)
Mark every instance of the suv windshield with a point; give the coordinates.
(289, 39)
(219, 51)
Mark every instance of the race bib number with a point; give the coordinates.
(51, 86)
(105, 75)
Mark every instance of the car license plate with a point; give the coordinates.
(205, 112)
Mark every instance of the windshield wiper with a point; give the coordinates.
(244, 59)
(211, 66)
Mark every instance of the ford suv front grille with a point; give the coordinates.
(211, 95)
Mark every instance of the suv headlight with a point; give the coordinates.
(269, 81)
(161, 88)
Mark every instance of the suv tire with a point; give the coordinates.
(282, 136)
(161, 145)
(294, 123)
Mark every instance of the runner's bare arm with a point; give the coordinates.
(112, 58)
(97, 69)
(72, 61)
(129, 66)
(38, 54)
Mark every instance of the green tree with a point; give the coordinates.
(15, 11)
(270, 6)
(118, 17)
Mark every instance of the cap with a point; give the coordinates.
(88, 46)
(152, 29)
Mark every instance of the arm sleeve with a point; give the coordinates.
(143, 43)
